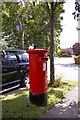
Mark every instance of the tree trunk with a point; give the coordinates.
(22, 34)
(52, 46)
(52, 21)
(34, 19)
(21, 23)
(22, 40)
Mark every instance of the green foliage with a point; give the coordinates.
(65, 55)
(58, 82)
(10, 23)
(38, 27)
(76, 49)
(58, 51)
(36, 24)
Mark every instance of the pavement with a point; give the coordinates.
(67, 107)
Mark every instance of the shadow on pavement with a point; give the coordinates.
(62, 110)
(69, 65)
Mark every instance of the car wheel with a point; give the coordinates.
(25, 81)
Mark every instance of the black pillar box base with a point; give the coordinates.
(39, 99)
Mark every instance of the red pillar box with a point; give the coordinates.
(38, 76)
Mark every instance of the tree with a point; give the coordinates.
(38, 27)
(29, 23)
(77, 10)
(14, 16)
(55, 7)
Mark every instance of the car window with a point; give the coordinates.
(24, 57)
(12, 58)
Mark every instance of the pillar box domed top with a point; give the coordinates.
(37, 51)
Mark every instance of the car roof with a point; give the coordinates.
(13, 50)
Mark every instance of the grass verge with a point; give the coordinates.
(18, 105)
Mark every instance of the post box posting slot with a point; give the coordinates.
(43, 59)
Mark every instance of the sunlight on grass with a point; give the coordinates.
(18, 105)
(16, 95)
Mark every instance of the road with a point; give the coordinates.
(65, 67)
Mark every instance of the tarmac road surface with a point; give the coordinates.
(65, 67)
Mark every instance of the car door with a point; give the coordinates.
(24, 63)
(4, 67)
(0, 69)
(12, 68)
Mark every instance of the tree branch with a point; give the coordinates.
(33, 3)
(48, 9)
(56, 4)
(19, 22)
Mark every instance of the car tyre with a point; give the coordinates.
(25, 81)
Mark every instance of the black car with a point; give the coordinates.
(14, 65)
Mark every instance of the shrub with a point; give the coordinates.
(67, 51)
(65, 55)
(58, 82)
(76, 49)
(63, 51)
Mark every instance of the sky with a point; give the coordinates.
(69, 35)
